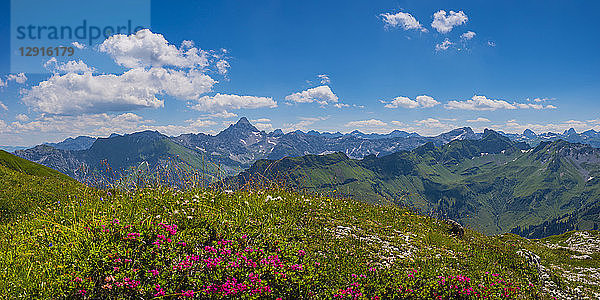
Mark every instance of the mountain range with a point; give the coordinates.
(239, 146)
(492, 184)
(224, 154)
(493, 181)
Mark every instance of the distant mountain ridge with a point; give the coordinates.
(493, 184)
(78, 143)
(230, 151)
(589, 137)
(240, 145)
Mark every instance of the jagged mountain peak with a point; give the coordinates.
(570, 131)
(242, 125)
(277, 132)
(489, 133)
(463, 133)
(529, 133)
(243, 121)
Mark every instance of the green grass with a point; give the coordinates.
(18, 164)
(493, 193)
(266, 243)
(26, 186)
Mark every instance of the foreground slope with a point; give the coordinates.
(27, 186)
(21, 165)
(493, 184)
(207, 243)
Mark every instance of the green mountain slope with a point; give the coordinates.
(26, 186)
(18, 164)
(492, 184)
(118, 157)
(273, 243)
(60, 239)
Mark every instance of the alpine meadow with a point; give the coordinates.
(299, 150)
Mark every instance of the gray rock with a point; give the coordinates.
(456, 228)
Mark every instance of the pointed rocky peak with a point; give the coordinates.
(240, 129)
(243, 121)
(464, 133)
(489, 134)
(529, 133)
(589, 133)
(491, 142)
(570, 132)
(244, 125)
(277, 132)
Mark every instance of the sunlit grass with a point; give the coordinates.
(213, 243)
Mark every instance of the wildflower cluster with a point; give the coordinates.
(150, 260)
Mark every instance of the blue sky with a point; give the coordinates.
(388, 65)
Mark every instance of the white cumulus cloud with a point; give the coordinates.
(324, 78)
(468, 35)
(18, 78)
(148, 49)
(69, 67)
(223, 66)
(366, 123)
(480, 103)
(402, 19)
(423, 101)
(529, 105)
(60, 126)
(22, 117)
(222, 101)
(78, 45)
(262, 120)
(321, 94)
(264, 126)
(221, 115)
(303, 124)
(483, 103)
(155, 69)
(433, 123)
(443, 45)
(479, 120)
(74, 93)
(444, 23)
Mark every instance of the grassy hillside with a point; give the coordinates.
(26, 186)
(18, 164)
(492, 184)
(207, 243)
